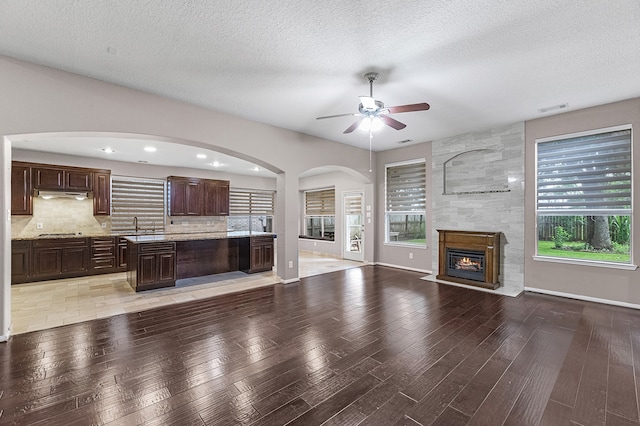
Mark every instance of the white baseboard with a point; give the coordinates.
(289, 281)
(406, 268)
(5, 337)
(581, 297)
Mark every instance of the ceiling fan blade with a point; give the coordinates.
(392, 122)
(351, 114)
(353, 127)
(408, 108)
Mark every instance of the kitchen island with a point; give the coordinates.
(157, 261)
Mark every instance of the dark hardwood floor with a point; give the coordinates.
(370, 346)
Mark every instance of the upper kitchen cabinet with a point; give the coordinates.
(21, 197)
(101, 192)
(197, 197)
(27, 177)
(61, 178)
(185, 196)
(216, 197)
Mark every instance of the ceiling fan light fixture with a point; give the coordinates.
(368, 102)
(370, 124)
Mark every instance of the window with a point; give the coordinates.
(137, 198)
(406, 203)
(583, 203)
(320, 214)
(250, 210)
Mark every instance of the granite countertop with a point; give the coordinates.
(196, 236)
(153, 237)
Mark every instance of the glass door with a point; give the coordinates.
(354, 225)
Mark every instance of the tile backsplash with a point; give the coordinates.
(64, 215)
(60, 215)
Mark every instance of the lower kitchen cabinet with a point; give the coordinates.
(256, 254)
(151, 265)
(103, 255)
(20, 261)
(121, 254)
(60, 258)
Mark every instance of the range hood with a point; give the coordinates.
(78, 195)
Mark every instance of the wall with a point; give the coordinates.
(591, 282)
(485, 192)
(342, 182)
(396, 255)
(37, 99)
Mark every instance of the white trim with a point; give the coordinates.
(585, 133)
(406, 162)
(423, 271)
(500, 291)
(408, 245)
(581, 297)
(5, 337)
(598, 264)
(289, 281)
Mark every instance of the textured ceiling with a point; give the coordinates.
(477, 63)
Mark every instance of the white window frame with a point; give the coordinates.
(323, 213)
(417, 212)
(583, 212)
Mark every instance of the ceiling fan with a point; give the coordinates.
(371, 109)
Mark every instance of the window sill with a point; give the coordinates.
(409, 245)
(304, 237)
(611, 265)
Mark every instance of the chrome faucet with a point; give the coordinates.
(153, 226)
(135, 223)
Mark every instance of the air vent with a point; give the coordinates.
(552, 108)
(405, 141)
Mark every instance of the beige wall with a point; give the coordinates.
(396, 255)
(613, 285)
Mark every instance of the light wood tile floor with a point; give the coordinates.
(48, 304)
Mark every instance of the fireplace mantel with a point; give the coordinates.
(485, 242)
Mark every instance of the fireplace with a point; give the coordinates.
(469, 257)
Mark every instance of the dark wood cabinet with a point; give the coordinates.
(20, 261)
(103, 255)
(101, 193)
(25, 177)
(121, 254)
(256, 254)
(48, 177)
(60, 258)
(62, 178)
(78, 179)
(185, 196)
(151, 265)
(21, 193)
(198, 197)
(216, 197)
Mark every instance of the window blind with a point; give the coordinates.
(406, 187)
(353, 205)
(588, 174)
(245, 202)
(137, 197)
(320, 202)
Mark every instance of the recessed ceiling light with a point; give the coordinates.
(215, 164)
(201, 155)
(256, 169)
(150, 149)
(108, 150)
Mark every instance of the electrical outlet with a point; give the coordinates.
(39, 225)
(315, 243)
(208, 223)
(291, 264)
(410, 255)
(104, 224)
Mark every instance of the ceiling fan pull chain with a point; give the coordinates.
(370, 139)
